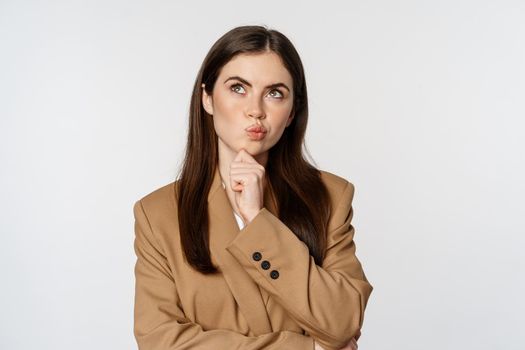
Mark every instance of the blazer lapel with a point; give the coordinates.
(223, 228)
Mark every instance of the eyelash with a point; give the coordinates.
(279, 91)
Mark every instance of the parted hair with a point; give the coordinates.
(302, 199)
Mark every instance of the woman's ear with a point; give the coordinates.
(207, 101)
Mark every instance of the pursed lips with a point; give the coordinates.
(256, 128)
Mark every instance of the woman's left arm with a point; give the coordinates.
(328, 301)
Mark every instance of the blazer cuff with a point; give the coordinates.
(272, 254)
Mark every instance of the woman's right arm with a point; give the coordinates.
(159, 321)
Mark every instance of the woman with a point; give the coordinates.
(252, 247)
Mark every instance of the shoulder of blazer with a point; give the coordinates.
(335, 184)
(160, 203)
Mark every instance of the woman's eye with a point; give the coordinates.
(234, 86)
(279, 94)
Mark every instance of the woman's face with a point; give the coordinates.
(251, 90)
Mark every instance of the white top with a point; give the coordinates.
(237, 217)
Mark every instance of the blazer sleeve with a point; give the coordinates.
(159, 320)
(327, 301)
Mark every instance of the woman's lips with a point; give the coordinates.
(256, 128)
(256, 132)
(257, 136)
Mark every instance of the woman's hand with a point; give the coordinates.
(247, 180)
(352, 345)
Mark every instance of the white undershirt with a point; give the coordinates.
(237, 217)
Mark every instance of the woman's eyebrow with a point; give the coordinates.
(250, 85)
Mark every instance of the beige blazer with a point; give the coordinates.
(270, 293)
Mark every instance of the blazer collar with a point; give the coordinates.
(216, 183)
(223, 228)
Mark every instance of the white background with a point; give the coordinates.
(420, 104)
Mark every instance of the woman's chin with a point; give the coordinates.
(253, 150)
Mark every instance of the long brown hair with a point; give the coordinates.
(302, 199)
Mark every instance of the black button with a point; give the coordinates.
(265, 264)
(274, 274)
(257, 256)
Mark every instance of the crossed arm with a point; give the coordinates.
(160, 323)
(327, 301)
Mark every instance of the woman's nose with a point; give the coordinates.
(255, 109)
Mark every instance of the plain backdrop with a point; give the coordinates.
(420, 104)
